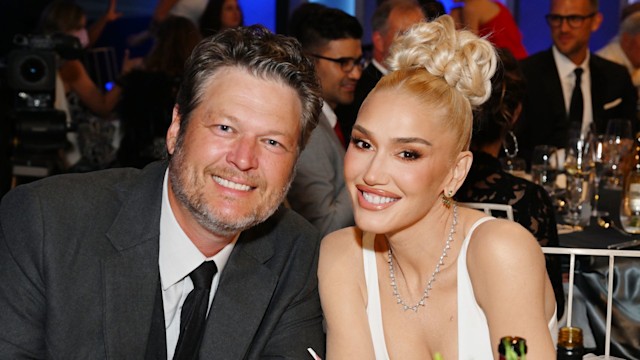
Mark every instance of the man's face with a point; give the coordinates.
(573, 41)
(399, 21)
(338, 85)
(234, 164)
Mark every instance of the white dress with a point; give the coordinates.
(473, 330)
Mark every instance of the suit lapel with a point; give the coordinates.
(598, 95)
(335, 142)
(242, 298)
(131, 276)
(554, 87)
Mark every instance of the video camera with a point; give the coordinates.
(39, 129)
(31, 68)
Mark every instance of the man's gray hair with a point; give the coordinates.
(263, 54)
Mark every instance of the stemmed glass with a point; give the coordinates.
(618, 142)
(544, 167)
(578, 168)
(598, 155)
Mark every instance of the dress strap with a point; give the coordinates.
(374, 308)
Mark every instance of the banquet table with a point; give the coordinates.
(590, 283)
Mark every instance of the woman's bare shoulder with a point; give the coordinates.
(346, 239)
(341, 253)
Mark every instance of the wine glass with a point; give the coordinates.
(544, 167)
(578, 168)
(618, 141)
(600, 161)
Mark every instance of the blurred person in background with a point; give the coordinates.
(220, 15)
(606, 89)
(492, 19)
(624, 49)
(487, 182)
(88, 106)
(149, 93)
(331, 38)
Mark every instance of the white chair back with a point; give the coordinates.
(493, 209)
(612, 254)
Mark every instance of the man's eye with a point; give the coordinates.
(225, 128)
(273, 142)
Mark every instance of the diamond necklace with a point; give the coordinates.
(425, 293)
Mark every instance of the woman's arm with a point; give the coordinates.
(509, 278)
(162, 10)
(95, 30)
(340, 275)
(76, 79)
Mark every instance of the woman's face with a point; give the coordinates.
(399, 161)
(231, 15)
(81, 32)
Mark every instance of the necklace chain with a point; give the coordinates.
(425, 293)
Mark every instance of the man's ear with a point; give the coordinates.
(378, 41)
(597, 21)
(172, 132)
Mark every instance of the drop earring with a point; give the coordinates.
(447, 199)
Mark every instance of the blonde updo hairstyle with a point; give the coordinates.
(448, 70)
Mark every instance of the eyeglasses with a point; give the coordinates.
(346, 63)
(574, 21)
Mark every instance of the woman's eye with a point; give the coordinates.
(360, 143)
(225, 128)
(409, 155)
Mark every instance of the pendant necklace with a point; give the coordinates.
(425, 293)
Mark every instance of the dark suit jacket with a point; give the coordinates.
(79, 274)
(347, 114)
(544, 119)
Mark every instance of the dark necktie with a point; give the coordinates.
(194, 312)
(339, 134)
(577, 104)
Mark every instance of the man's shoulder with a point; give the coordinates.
(600, 64)
(536, 60)
(91, 187)
(288, 224)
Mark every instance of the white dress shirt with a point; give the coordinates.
(178, 257)
(565, 69)
(380, 67)
(330, 114)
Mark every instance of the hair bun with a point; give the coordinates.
(465, 61)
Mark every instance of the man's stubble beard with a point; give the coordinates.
(185, 188)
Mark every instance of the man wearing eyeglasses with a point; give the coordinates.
(332, 38)
(553, 104)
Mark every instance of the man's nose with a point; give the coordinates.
(244, 155)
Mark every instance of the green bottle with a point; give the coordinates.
(512, 348)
